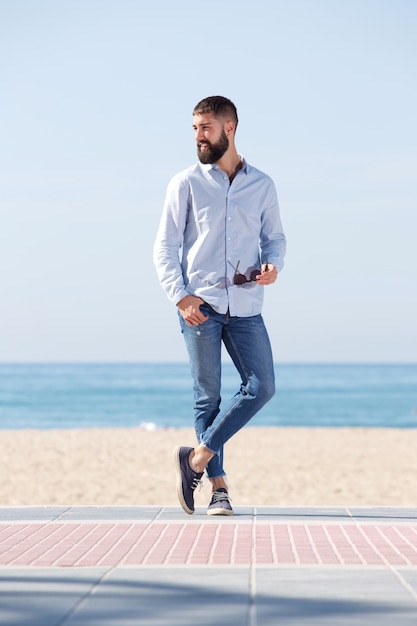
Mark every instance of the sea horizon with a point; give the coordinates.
(156, 395)
(184, 361)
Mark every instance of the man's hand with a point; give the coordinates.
(268, 275)
(189, 307)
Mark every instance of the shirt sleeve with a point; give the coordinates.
(272, 238)
(169, 239)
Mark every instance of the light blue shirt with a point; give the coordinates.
(208, 226)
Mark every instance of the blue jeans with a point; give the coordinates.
(247, 342)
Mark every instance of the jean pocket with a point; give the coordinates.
(206, 309)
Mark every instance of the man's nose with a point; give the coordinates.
(199, 134)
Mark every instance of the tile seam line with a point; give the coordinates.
(155, 545)
(273, 544)
(75, 544)
(4, 528)
(193, 548)
(313, 544)
(139, 540)
(392, 546)
(91, 591)
(214, 546)
(396, 529)
(293, 545)
(353, 546)
(41, 527)
(349, 514)
(147, 528)
(252, 572)
(392, 569)
(15, 532)
(52, 547)
(157, 515)
(59, 515)
(333, 545)
(95, 544)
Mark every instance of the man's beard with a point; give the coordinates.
(213, 151)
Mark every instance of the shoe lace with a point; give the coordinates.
(220, 495)
(197, 482)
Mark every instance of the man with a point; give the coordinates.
(220, 241)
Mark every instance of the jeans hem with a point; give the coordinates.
(218, 476)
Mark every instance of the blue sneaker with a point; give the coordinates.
(187, 478)
(220, 503)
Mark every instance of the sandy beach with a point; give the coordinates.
(266, 466)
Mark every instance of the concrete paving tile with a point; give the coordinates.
(165, 597)
(31, 513)
(262, 513)
(409, 575)
(324, 566)
(241, 514)
(110, 513)
(43, 596)
(302, 514)
(384, 515)
(326, 597)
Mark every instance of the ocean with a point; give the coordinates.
(158, 395)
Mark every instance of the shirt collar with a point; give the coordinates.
(206, 167)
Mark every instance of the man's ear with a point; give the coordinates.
(230, 127)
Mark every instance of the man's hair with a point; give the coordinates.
(219, 106)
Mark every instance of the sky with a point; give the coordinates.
(96, 117)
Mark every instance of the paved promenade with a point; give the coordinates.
(157, 566)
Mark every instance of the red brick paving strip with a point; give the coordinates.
(123, 543)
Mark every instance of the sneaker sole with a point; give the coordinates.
(219, 512)
(179, 481)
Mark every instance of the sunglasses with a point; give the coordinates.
(240, 279)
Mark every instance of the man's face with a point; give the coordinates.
(212, 141)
